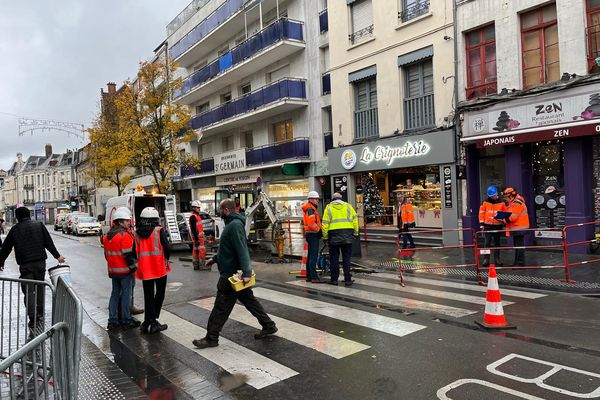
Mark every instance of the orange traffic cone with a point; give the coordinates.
(493, 318)
(304, 257)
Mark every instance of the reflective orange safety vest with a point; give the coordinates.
(312, 223)
(407, 214)
(199, 226)
(488, 211)
(519, 219)
(115, 250)
(151, 259)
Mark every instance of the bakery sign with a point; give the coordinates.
(395, 152)
(233, 161)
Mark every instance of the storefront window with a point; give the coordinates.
(491, 168)
(288, 197)
(207, 200)
(548, 178)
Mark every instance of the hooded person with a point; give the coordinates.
(30, 240)
(153, 252)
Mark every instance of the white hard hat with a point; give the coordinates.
(149, 212)
(196, 203)
(122, 213)
(313, 195)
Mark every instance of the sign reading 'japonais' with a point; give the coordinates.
(233, 161)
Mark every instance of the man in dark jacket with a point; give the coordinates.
(30, 239)
(233, 255)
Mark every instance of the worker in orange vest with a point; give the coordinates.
(197, 236)
(312, 234)
(119, 251)
(153, 251)
(488, 222)
(406, 220)
(517, 222)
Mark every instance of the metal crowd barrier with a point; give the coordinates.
(35, 362)
(594, 225)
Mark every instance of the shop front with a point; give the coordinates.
(548, 148)
(421, 169)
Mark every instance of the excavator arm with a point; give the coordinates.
(269, 207)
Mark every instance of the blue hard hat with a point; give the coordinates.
(492, 191)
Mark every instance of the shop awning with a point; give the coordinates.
(362, 74)
(417, 55)
(348, 2)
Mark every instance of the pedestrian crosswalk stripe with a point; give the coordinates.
(321, 341)
(380, 323)
(465, 286)
(235, 359)
(388, 299)
(467, 298)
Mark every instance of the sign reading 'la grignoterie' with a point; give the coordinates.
(233, 161)
(389, 154)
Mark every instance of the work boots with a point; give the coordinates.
(196, 265)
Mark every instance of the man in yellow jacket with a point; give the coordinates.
(340, 227)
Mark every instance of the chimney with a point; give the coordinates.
(48, 150)
(112, 87)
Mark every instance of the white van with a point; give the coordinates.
(137, 202)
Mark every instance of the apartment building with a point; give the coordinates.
(252, 73)
(530, 102)
(392, 85)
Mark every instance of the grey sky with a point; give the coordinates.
(57, 55)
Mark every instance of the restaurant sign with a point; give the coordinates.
(233, 161)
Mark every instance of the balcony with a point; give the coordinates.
(420, 7)
(419, 112)
(326, 84)
(28, 201)
(362, 34)
(28, 186)
(279, 97)
(294, 149)
(328, 137)
(482, 90)
(323, 21)
(217, 28)
(277, 41)
(366, 124)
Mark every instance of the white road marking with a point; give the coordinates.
(539, 381)
(235, 359)
(321, 341)
(465, 286)
(426, 292)
(380, 323)
(442, 393)
(388, 299)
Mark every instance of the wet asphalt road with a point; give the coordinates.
(423, 346)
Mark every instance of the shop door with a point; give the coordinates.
(548, 179)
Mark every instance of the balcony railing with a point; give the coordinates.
(206, 26)
(593, 39)
(323, 21)
(326, 83)
(420, 7)
(366, 123)
(419, 112)
(360, 34)
(297, 148)
(328, 137)
(28, 186)
(482, 90)
(282, 29)
(286, 88)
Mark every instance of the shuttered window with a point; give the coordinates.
(419, 79)
(366, 94)
(278, 74)
(361, 12)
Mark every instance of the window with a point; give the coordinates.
(418, 95)
(226, 97)
(361, 20)
(539, 36)
(365, 109)
(278, 74)
(593, 34)
(223, 50)
(245, 89)
(227, 143)
(481, 62)
(283, 131)
(205, 150)
(248, 139)
(202, 108)
(410, 9)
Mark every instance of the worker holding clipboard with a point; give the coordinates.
(492, 213)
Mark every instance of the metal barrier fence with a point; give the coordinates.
(292, 230)
(36, 362)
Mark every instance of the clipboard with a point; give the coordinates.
(501, 215)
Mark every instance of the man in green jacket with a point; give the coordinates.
(232, 256)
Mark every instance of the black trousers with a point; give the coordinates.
(334, 261)
(34, 294)
(492, 240)
(153, 301)
(224, 303)
(519, 241)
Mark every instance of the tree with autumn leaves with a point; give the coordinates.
(150, 127)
